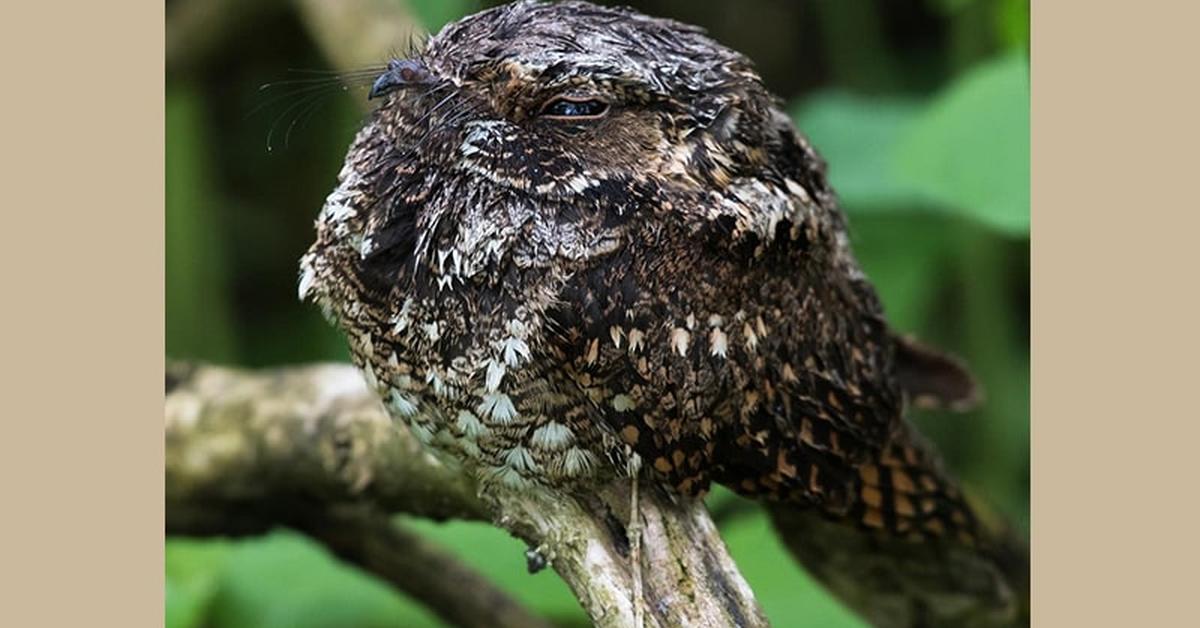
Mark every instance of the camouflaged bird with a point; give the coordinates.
(571, 234)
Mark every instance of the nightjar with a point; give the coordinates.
(572, 234)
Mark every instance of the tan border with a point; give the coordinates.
(1115, 420)
(82, 275)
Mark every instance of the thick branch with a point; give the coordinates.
(259, 445)
(304, 446)
(307, 448)
(895, 583)
(688, 577)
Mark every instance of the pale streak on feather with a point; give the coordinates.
(679, 341)
(719, 342)
(552, 436)
(498, 407)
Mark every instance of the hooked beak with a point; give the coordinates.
(400, 73)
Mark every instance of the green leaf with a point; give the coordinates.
(969, 150)
(285, 580)
(193, 572)
(856, 136)
(1012, 23)
(501, 558)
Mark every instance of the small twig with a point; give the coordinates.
(635, 538)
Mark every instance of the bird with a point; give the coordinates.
(574, 240)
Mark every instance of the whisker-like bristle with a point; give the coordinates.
(301, 91)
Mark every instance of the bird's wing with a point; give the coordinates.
(766, 370)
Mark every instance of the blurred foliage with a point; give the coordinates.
(435, 13)
(980, 169)
(889, 152)
(919, 106)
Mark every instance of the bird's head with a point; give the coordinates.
(552, 100)
(533, 134)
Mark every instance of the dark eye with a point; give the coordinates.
(570, 108)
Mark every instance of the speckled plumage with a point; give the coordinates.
(536, 296)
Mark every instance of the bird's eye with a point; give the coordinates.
(560, 108)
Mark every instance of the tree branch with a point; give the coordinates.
(259, 445)
(311, 448)
(457, 593)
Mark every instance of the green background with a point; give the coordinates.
(921, 108)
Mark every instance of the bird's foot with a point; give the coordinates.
(538, 558)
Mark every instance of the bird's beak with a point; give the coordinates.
(400, 73)
(386, 82)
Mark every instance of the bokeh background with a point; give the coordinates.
(921, 108)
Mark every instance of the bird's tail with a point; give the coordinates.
(911, 551)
